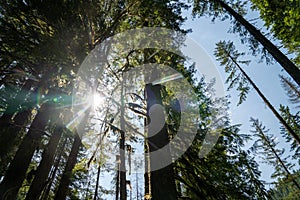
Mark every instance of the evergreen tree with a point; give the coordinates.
(216, 8)
(266, 145)
(228, 56)
(42, 46)
(282, 18)
(294, 121)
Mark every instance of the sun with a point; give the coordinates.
(98, 100)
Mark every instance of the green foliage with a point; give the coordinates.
(284, 189)
(266, 145)
(292, 90)
(227, 172)
(228, 56)
(46, 41)
(294, 121)
(216, 10)
(282, 18)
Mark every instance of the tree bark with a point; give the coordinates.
(288, 65)
(40, 179)
(97, 183)
(162, 180)
(10, 137)
(62, 191)
(118, 180)
(13, 125)
(65, 180)
(16, 172)
(123, 192)
(53, 173)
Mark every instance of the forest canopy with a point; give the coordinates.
(108, 99)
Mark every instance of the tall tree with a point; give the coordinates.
(162, 180)
(284, 189)
(63, 187)
(238, 179)
(16, 172)
(292, 90)
(215, 6)
(294, 121)
(228, 56)
(282, 18)
(266, 145)
(40, 179)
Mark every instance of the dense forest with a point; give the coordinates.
(99, 101)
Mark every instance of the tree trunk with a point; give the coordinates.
(53, 173)
(279, 159)
(62, 191)
(40, 179)
(10, 139)
(162, 180)
(118, 180)
(284, 123)
(97, 182)
(65, 180)
(123, 192)
(16, 172)
(12, 126)
(288, 65)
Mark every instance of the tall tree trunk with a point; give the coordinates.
(63, 187)
(147, 175)
(118, 178)
(162, 180)
(11, 126)
(40, 179)
(10, 137)
(284, 123)
(53, 173)
(123, 193)
(288, 65)
(16, 172)
(279, 159)
(137, 185)
(65, 181)
(97, 183)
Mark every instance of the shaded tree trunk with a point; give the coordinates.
(10, 137)
(13, 125)
(62, 191)
(162, 179)
(123, 192)
(16, 172)
(97, 183)
(40, 179)
(118, 179)
(53, 173)
(288, 65)
(65, 180)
